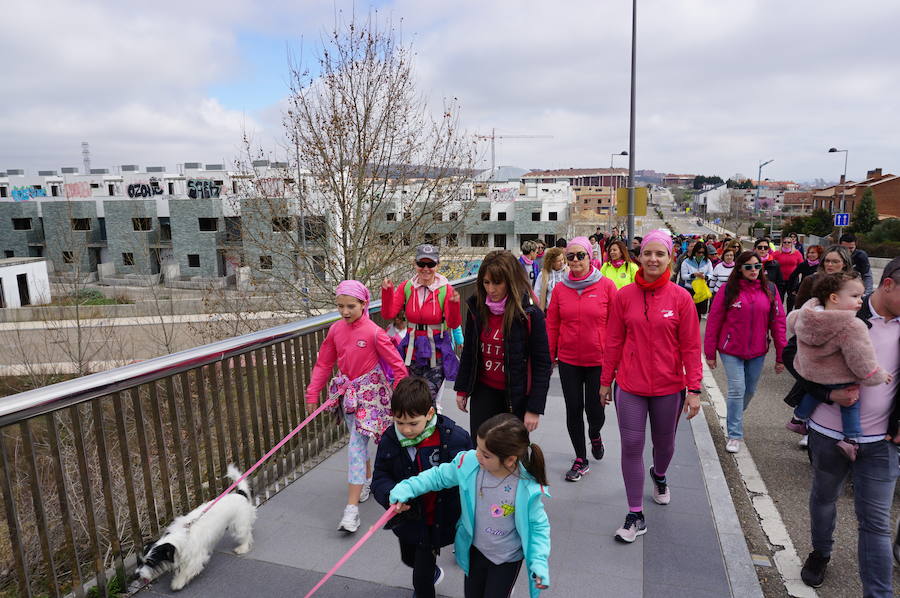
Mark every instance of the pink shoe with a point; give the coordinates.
(849, 448)
(796, 425)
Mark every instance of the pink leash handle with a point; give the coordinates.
(375, 527)
(293, 433)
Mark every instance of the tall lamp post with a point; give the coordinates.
(611, 198)
(835, 150)
(758, 182)
(631, 129)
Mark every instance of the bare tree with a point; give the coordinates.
(371, 172)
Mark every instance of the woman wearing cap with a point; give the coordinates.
(432, 311)
(576, 330)
(743, 316)
(652, 352)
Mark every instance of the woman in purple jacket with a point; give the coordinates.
(739, 324)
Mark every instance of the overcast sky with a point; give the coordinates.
(722, 84)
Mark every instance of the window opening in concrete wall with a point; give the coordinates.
(95, 185)
(111, 189)
(9, 253)
(165, 228)
(431, 238)
(485, 216)
(171, 188)
(391, 216)
(21, 223)
(282, 224)
(3, 192)
(208, 224)
(193, 260)
(500, 241)
(479, 240)
(501, 216)
(535, 216)
(265, 262)
(553, 216)
(127, 259)
(101, 223)
(54, 190)
(452, 240)
(142, 224)
(81, 224)
(454, 216)
(68, 257)
(2, 296)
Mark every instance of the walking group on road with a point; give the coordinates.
(621, 329)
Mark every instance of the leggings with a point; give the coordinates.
(484, 403)
(487, 580)
(632, 411)
(423, 560)
(357, 452)
(581, 389)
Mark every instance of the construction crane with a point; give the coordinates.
(494, 137)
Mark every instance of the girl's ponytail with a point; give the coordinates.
(534, 464)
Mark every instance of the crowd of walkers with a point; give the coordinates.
(622, 323)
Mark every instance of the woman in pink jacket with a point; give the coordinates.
(742, 317)
(653, 353)
(361, 350)
(576, 330)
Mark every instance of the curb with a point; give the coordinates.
(738, 564)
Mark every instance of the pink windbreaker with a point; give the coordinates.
(742, 329)
(355, 348)
(652, 342)
(576, 324)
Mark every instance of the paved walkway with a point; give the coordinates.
(691, 549)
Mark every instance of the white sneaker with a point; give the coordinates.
(366, 491)
(804, 441)
(733, 445)
(350, 520)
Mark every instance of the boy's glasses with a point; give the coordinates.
(749, 267)
(425, 264)
(576, 256)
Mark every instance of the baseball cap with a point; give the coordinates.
(427, 251)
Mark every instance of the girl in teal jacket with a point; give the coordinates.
(503, 521)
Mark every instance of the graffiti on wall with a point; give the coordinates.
(203, 188)
(460, 268)
(504, 194)
(78, 190)
(26, 193)
(142, 189)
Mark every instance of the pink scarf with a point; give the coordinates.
(617, 263)
(496, 307)
(527, 260)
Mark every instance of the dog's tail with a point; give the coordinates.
(234, 474)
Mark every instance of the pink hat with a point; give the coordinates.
(582, 242)
(353, 288)
(658, 236)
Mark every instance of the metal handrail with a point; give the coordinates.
(17, 407)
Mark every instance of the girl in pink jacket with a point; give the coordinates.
(834, 350)
(363, 352)
(743, 316)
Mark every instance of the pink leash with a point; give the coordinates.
(378, 525)
(293, 433)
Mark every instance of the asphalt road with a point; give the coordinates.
(786, 472)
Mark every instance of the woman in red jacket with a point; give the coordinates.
(739, 324)
(576, 327)
(653, 352)
(432, 311)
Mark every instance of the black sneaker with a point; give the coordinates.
(579, 468)
(813, 571)
(597, 449)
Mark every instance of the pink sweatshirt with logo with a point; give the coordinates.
(355, 348)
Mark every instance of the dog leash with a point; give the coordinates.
(375, 527)
(327, 404)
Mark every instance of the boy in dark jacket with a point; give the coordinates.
(419, 440)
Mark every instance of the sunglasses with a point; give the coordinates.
(762, 247)
(576, 256)
(425, 264)
(752, 267)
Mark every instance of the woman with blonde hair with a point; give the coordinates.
(553, 270)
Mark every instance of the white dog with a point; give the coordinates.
(188, 542)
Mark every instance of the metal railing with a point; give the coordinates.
(95, 466)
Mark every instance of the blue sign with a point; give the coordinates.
(842, 219)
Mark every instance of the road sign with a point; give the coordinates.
(640, 201)
(842, 219)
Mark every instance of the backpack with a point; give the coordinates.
(407, 292)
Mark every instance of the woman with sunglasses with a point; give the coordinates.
(697, 266)
(576, 330)
(432, 311)
(652, 351)
(743, 317)
(767, 257)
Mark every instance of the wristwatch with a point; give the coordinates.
(694, 391)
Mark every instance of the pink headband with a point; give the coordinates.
(583, 242)
(658, 236)
(353, 288)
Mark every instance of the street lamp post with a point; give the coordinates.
(758, 181)
(612, 189)
(631, 131)
(835, 150)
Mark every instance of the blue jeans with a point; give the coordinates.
(874, 472)
(849, 415)
(743, 375)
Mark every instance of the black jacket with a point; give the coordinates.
(800, 273)
(773, 273)
(860, 260)
(526, 359)
(819, 392)
(393, 465)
